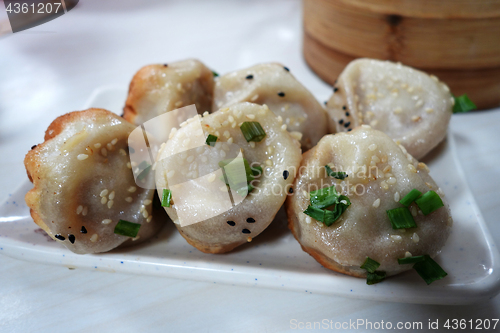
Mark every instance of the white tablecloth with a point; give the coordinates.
(53, 68)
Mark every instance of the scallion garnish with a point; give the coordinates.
(321, 203)
(429, 202)
(145, 167)
(252, 131)
(126, 228)
(237, 180)
(211, 139)
(370, 265)
(426, 267)
(463, 104)
(401, 218)
(375, 277)
(166, 198)
(215, 74)
(338, 175)
(410, 197)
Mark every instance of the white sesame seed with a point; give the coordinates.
(383, 159)
(231, 119)
(129, 165)
(398, 110)
(211, 177)
(411, 167)
(114, 141)
(296, 135)
(283, 127)
(387, 169)
(366, 126)
(269, 162)
(123, 152)
(82, 157)
(132, 189)
(97, 145)
(423, 166)
(128, 199)
(372, 147)
(104, 152)
(384, 185)
(94, 237)
(85, 211)
(408, 254)
(396, 197)
(415, 238)
(254, 98)
(376, 203)
(419, 103)
(205, 113)
(250, 116)
(415, 118)
(391, 180)
(225, 123)
(106, 221)
(375, 158)
(79, 209)
(396, 238)
(226, 134)
(110, 203)
(104, 200)
(136, 238)
(308, 220)
(110, 146)
(279, 119)
(147, 202)
(252, 144)
(149, 218)
(111, 196)
(145, 214)
(190, 158)
(429, 110)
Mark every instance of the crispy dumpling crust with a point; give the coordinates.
(364, 229)
(278, 153)
(84, 153)
(272, 84)
(408, 105)
(156, 89)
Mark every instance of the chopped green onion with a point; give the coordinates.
(426, 267)
(235, 178)
(126, 228)
(252, 131)
(338, 175)
(463, 104)
(375, 277)
(410, 197)
(146, 168)
(166, 198)
(323, 199)
(370, 265)
(410, 260)
(429, 202)
(215, 74)
(401, 218)
(211, 139)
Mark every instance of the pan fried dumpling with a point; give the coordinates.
(83, 182)
(410, 106)
(156, 89)
(273, 85)
(188, 167)
(379, 174)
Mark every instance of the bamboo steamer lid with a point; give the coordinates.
(456, 40)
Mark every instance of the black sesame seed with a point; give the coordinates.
(165, 65)
(249, 77)
(341, 121)
(290, 190)
(286, 68)
(83, 231)
(350, 129)
(33, 147)
(281, 94)
(347, 114)
(344, 108)
(250, 220)
(231, 223)
(245, 231)
(123, 113)
(335, 89)
(285, 174)
(71, 239)
(347, 124)
(326, 102)
(60, 237)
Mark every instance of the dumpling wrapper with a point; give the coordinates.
(183, 161)
(79, 169)
(408, 105)
(273, 85)
(156, 89)
(364, 229)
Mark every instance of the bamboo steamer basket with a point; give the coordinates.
(456, 40)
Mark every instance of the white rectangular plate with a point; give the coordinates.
(274, 259)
